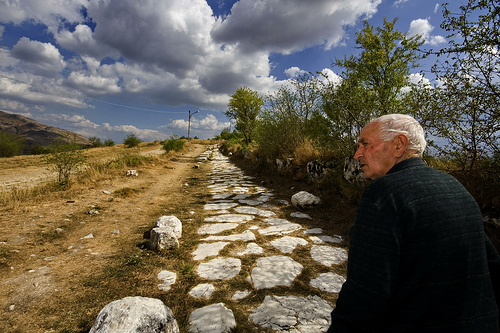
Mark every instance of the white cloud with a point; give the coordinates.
(294, 72)
(18, 107)
(399, 2)
(94, 85)
(29, 89)
(48, 12)
(42, 58)
(287, 26)
(423, 28)
(208, 123)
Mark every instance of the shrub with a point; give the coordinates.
(132, 141)
(65, 157)
(11, 144)
(109, 143)
(96, 142)
(174, 143)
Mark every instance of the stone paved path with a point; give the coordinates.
(240, 204)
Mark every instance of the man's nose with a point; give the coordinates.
(357, 154)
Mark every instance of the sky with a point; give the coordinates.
(111, 68)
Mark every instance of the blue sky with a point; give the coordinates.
(108, 68)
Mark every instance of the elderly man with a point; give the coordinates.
(418, 251)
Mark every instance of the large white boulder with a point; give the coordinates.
(171, 222)
(135, 315)
(163, 238)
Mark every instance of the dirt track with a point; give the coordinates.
(48, 248)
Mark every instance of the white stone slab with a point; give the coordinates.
(208, 250)
(230, 218)
(329, 282)
(326, 239)
(314, 231)
(216, 228)
(215, 318)
(241, 196)
(309, 314)
(204, 290)
(219, 196)
(328, 255)
(276, 221)
(245, 236)
(219, 269)
(252, 248)
(168, 279)
(254, 211)
(300, 215)
(240, 295)
(281, 229)
(222, 205)
(250, 202)
(287, 244)
(274, 271)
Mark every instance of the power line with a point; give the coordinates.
(92, 99)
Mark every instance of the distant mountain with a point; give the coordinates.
(35, 133)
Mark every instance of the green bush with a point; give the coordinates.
(11, 144)
(132, 141)
(96, 142)
(64, 158)
(109, 143)
(174, 143)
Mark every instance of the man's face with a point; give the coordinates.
(375, 156)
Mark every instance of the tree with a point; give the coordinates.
(96, 142)
(285, 125)
(11, 144)
(383, 66)
(244, 106)
(371, 83)
(132, 141)
(465, 110)
(64, 158)
(109, 143)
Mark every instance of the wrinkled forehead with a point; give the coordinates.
(370, 132)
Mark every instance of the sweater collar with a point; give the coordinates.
(414, 161)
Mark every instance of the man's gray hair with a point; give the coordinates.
(392, 125)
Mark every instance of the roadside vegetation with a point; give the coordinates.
(318, 118)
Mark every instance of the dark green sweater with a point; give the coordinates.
(417, 258)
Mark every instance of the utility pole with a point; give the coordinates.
(189, 121)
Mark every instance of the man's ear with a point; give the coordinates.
(401, 142)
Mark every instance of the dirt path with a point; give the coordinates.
(48, 249)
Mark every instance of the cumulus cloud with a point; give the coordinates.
(423, 28)
(286, 26)
(48, 12)
(209, 122)
(43, 58)
(294, 72)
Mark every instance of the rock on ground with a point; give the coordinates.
(135, 315)
(309, 314)
(215, 318)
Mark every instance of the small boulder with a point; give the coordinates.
(163, 238)
(304, 200)
(171, 222)
(135, 315)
